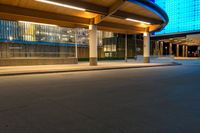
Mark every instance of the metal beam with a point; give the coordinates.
(114, 8)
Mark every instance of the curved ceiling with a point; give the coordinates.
(123, 16)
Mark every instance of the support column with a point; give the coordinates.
(177, 50)
(93, 45)
(186, 51)
(183, 50)
(170, 49)
(76, 46)
(126, 48)
(161, 48)
(146, 46)
(157, 48)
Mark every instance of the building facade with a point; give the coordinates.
(184, 23)
(53, 31)
(184, 15)
(29, 40)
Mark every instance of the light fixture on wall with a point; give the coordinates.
(60, 4)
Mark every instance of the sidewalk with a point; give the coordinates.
(84, 66)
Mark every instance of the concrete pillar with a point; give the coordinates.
(161, 48)
(146, 47)
(183, 50)
(76, 44)
(170, 49)
(186, 51)
(93, 45)
(126, 48)
(157, 48)
(177, 50)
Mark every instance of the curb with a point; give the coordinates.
(82, 70)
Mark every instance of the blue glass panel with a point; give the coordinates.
(184, 15)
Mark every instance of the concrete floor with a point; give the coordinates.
(145, 100)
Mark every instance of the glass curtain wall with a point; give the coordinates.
(184, 15)
(114, 46)
(26, 39)
(32, 40)
(27, 31)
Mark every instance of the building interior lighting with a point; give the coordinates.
(27, 22)
(60, 4)
(134, 20)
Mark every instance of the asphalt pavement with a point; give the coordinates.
(138, 100)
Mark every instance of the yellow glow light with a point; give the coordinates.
(60, 4)
(145, 34)
(134, 20)
(27, 22)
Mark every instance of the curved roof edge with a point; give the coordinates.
(154, 8)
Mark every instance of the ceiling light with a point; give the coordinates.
(27, 22)
(60, 4)
(145, 34)
(134, 20)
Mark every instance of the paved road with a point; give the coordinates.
(147, 100)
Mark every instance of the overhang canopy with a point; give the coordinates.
(122, 16)
(190, 40)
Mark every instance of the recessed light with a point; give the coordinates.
(60, 4)
(139, 21)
